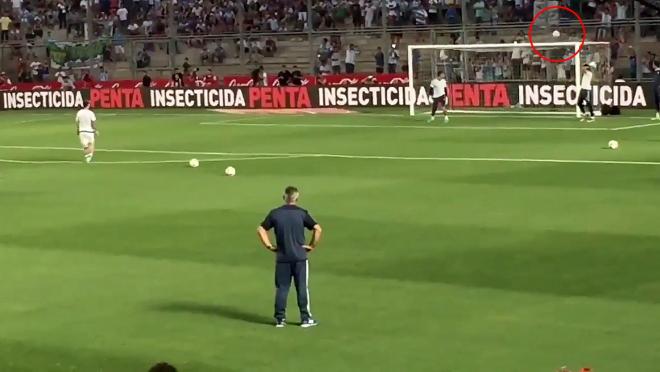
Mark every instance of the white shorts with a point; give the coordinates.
(86, 139)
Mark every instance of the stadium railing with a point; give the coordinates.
(302, 48)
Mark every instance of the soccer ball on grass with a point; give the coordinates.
(613, 144)
(230, 171)
(194, 163)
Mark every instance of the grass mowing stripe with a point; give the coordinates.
(346, 156)
(120, 162)
(247, 125)
(118, 267)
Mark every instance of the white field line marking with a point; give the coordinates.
(637, 126)
(15, 161)
(230, 124)
(504, 160)
(342, 156)
(147, 161)
(152, 151)
(518, 113)
(550, 114)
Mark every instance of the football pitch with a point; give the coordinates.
(512, 242)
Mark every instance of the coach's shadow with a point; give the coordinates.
(213, 310)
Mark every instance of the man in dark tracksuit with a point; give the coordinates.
(289, 222)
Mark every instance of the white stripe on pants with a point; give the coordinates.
(309, 301)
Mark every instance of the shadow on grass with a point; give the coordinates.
(222, 311)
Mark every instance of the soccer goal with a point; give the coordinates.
(521, 80)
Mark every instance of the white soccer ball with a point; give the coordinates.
(555, 34)
(230, 171)
(613, 144)
(194, 163)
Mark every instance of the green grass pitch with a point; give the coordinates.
(509, 243)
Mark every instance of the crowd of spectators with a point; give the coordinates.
(217, 16)
(24, 23)
(331, 55)
(203, 17)
(189, 76)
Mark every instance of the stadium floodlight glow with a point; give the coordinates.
(504, 47)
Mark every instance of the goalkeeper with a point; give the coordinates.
(585, 92)
(439, 94)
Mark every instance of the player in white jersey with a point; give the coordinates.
(86, 130)
(439, 94)
(585, 93)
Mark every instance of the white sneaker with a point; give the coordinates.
(431, 119)
(280, 323)
(583, 118)
(657, 117)
(591, 119)
(446, 119)
(309, 323)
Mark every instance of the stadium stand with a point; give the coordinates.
(233, 37)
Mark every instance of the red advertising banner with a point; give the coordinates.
(229, 81)
(340, 79)
(488, 95)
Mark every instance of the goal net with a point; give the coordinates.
(506, 76)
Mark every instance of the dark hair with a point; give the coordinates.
(290, 190)
(86, 103)
(162, 367)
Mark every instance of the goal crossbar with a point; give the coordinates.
(502, 46)
(489, 47)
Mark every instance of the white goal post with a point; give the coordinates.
(491, 48)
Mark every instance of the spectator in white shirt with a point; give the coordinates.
(147, 24)
(65, 81)
(16, 5)
(133, 28)
(103, 75)
(392, 60)
(35, 67)
(605, 28)
(122, 13)
(273, 23)
(351, 56)
(516, 61)
(479, 73)
(526, 64)
(335, 61)
(621, 9)
(119, 53)
(369, 14)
